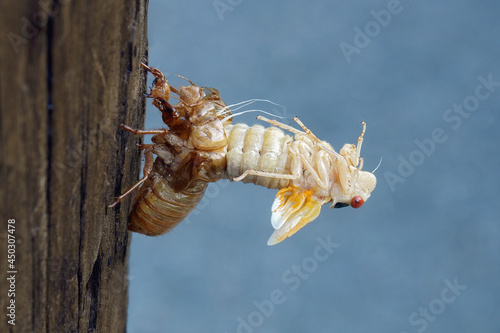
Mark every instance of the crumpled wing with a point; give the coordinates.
(292, 209)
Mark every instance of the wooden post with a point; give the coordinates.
(69, 76)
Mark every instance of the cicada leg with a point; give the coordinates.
(276, 123)
(360, 142)
(148, 166)
(286, 127)
(263, 174)
(321, 182)
(307, 130)
(140, 132)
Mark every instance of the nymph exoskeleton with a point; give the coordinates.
(191, 152)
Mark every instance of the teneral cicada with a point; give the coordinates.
(201, 145)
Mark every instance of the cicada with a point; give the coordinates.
(201, 145)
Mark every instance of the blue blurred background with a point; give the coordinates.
(423, 253)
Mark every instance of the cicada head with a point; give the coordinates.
(363, 183)
(363, 188)
(160, 88)
(355, 186)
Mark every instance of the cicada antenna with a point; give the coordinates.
(378, 164)
(247, 103)
(247, 111)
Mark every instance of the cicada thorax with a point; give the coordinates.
(205, 112)
(202, 153)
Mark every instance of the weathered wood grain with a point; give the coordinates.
(69, 76)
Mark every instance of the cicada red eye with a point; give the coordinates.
(357, 202)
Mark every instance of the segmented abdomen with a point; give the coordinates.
(258, 148)
(158, 209)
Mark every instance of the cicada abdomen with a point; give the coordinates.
(258, 148)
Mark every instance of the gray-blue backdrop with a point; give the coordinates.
(423, 253)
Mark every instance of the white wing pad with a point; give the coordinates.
(292, 209)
